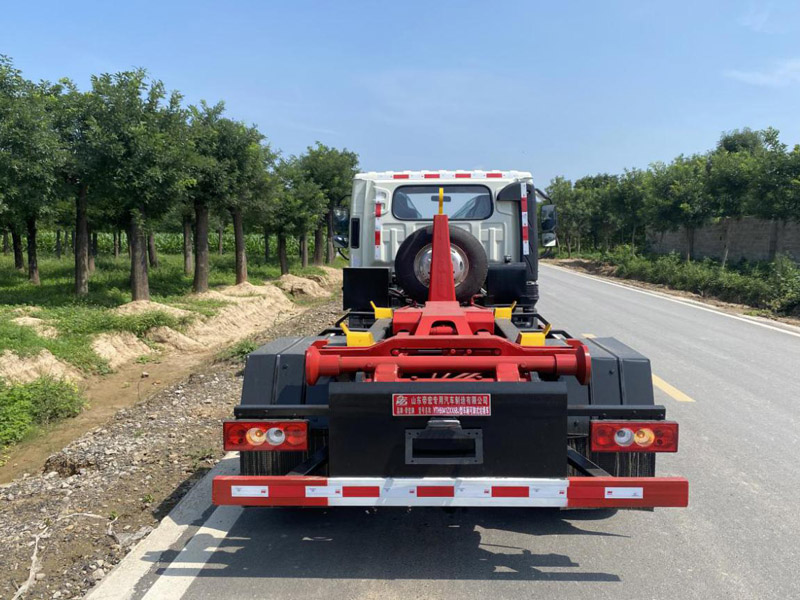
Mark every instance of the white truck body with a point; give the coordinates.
(378, 196)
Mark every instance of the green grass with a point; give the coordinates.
(773, 288)
(238, 352)
(25, 406)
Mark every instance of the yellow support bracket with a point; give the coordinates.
(532, 338)
(504, 312)
(359, 339)
(381, 313)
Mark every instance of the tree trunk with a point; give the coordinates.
(187, 245)
(569, 246)
(16, 242)
(200, 283)
(330, 251)
(726, 237)
(282, 258)
(117, 235)
(72, 240)
(633, 240)
(266, 244)
(6, 247)
(772, 250)
(319, 245)
(81, 243)
(689, 244)
(140, 285)
(33, 262)
(304, 250)
(240, 250)
(58, 243)
(220, 231)
(152, 253)
(92, 250)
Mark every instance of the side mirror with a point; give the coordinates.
(341, 221)
(549, 239)
(340, 241)
(549, 218)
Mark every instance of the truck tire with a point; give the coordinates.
(467, 250)
(280, 463)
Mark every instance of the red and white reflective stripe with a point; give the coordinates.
(378, 227)
(582, 492)
(526, 246)
(451, 175)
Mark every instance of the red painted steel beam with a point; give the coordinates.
(332, 364)
(442, 287)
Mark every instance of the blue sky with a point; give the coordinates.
(552, 87)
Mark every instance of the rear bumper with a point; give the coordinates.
(571, 492)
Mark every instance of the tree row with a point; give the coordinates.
(127, 155)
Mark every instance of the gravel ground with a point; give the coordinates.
(63, 529)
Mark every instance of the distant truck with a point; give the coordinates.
(441, 385)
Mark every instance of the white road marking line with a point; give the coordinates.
(182, 571)
(120, 583)
(670, 390)
(684, 303)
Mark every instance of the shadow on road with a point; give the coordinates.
(354, 543)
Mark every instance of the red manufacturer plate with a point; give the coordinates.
(436, 405)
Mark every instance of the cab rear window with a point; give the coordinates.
(461, 202)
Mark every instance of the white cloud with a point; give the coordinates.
(758, 19)
(783, 73)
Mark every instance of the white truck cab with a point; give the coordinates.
(388, 206)
(493, 235)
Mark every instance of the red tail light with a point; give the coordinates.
(265, 435)
(634, 436)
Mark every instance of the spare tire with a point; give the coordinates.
(413, 261)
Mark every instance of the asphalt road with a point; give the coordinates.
(734, 386)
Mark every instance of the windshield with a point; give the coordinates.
(461, 202)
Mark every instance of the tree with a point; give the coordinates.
(212, 183)
(75, 122)
(597, 193)
(143, 147)
(776, 186)
(332, 170)
(248, 163)
(297, 206)
(730, 180)
(678, 195)
(628, 203)
(30, 155)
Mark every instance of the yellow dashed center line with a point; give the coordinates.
(589, 336)
(670, 390)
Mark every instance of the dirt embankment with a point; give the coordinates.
(142, 367)
(250, 308)
(99, 495)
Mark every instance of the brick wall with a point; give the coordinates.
(750, 238)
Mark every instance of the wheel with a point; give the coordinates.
(413, 263)
(280, 463)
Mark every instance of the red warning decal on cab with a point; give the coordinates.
(441, 405)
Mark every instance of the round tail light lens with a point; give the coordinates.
(276, 436)
(256, 436)
(295, 434)
(623, 437)
(644, 437)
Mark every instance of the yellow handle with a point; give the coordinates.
(441, 200)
